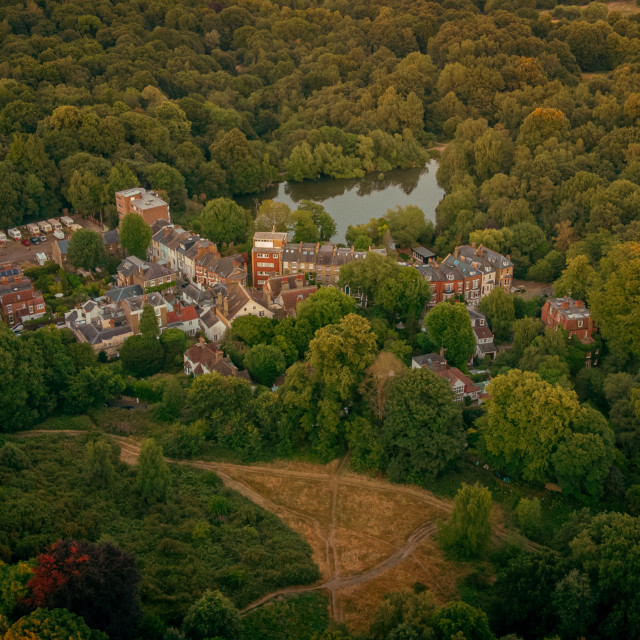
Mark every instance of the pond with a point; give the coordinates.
(356, 201)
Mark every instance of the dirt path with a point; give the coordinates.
(336, 583)
(325, 532)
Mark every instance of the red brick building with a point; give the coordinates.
(18, 300)
(147, 204)
(266, 256)
(572, 315)
(446, 281)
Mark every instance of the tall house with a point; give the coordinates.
(497, 269)
(148, 204)
(571, 315)
(266, 256)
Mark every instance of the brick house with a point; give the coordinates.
(147, 204)
(472, 278)
(19, 301)
(133, 306)
(132, 270)
(266, 256)
(461, 385)
(497, 269)
(205, 358)
(446, 282)
(211, 269)
(572, 315)
(283, 293)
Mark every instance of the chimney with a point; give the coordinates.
(456, 251)
(201, 341)
(285, 284)
(473, 245)
(219, 298)
(565, 304)
(225, 305)
(579, 303)
(475, 265)
(299, 281)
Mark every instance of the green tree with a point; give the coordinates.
(91, 387)
(529, 516)
(404, 614)
(459, 618)
(577, 280)
(52, 624)
(408, 226)
(148, 325)
(304, 229)
(174, 343)
(13, 457)
(265, 363)
(224, 222)
(141, 357)
(422, 432)
(367, 276)
(467, 532)
(135, 235)
(213, 616)
(172, 398)
(86, 249)
(539, 432)
(99, 468)
(499, 309)
(274, 215)
(616, 305)
(448, 326)
(405, 295)
(153, 473)
(13, 585)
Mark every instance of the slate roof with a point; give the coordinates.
(117, 294)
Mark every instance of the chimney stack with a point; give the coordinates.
(456, 251)
(299, 281)
(225, 305)
(285, 284)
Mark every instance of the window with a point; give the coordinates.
(275, 255)
(261, 314)
(152, 283)
(40, 306)
(449, 276)
(30, 309)
(579, 323)
(9, 308)
(481, 322)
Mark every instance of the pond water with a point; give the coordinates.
(356, 201)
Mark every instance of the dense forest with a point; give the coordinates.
(206, 99)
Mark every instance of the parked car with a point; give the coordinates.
(34, 240)
(25, 242)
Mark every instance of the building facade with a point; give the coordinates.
(572, 315)
(147, 204)
(266, 256)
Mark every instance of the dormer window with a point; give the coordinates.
(428, 278)
(449, 276)
(481, 322)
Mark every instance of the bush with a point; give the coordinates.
(13, 457)
(529, 516)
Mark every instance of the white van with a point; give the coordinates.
(66, 221)
(14, 234)
(45, 227)
(33, 229)
(55, 224)
(41, 258)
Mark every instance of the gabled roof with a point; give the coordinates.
(117, 294)
(289, 300)
(185, 314)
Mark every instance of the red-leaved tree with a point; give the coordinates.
(98, 582)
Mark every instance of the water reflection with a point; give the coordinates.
(356, 201)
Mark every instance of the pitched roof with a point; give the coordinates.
(289, 299)
(208, 358)
(117, 294)
(185, 314)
